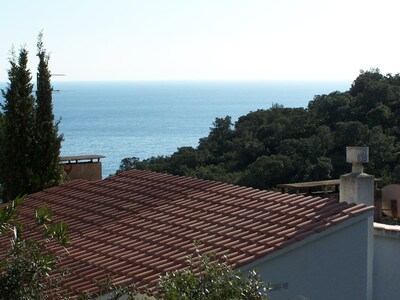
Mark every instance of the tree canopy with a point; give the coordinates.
(17, 146)
(47, 169)
(282, 145)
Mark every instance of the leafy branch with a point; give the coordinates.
(210, 279)
(29, 271)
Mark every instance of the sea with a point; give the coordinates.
(119, 119)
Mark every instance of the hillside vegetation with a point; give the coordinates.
(282, 145)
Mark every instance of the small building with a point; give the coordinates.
(87, 167)
(137, 225)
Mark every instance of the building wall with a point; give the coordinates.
(83, 170)
(334, 264)
(386, 262)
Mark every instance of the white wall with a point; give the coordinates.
(386, 262)
(335, 264)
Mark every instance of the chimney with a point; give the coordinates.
(357, 186)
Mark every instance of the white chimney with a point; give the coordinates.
(357, 186)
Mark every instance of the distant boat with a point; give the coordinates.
(57, 75)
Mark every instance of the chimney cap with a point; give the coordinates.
(357, 155)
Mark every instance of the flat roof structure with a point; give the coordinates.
(323, 185)
(80, 158)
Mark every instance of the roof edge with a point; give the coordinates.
(388, 231)
(316, 236)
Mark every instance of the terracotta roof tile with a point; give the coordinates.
(139, 224)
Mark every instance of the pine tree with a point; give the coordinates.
(47, 170)
(17, 148)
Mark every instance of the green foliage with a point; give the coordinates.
(218, 141)
(47, 169)
(330, 109)
(267, 171)
(109, 291)
(282, 145)
(29, 271)
(128, 163)
(1, 132)
(16, 165)
(30, 146)
(322, 168)
(208, 279)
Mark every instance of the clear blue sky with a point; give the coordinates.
(205, 39)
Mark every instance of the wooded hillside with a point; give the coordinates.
(282, 145)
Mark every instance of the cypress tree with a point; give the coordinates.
(17, 148)
(29, 141)
(1, 152)
(47, 170)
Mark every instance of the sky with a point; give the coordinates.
(95, 40)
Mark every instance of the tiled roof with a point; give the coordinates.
(137, 225)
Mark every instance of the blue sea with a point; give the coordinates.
(151, 118)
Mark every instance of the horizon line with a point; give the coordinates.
(201, 80)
